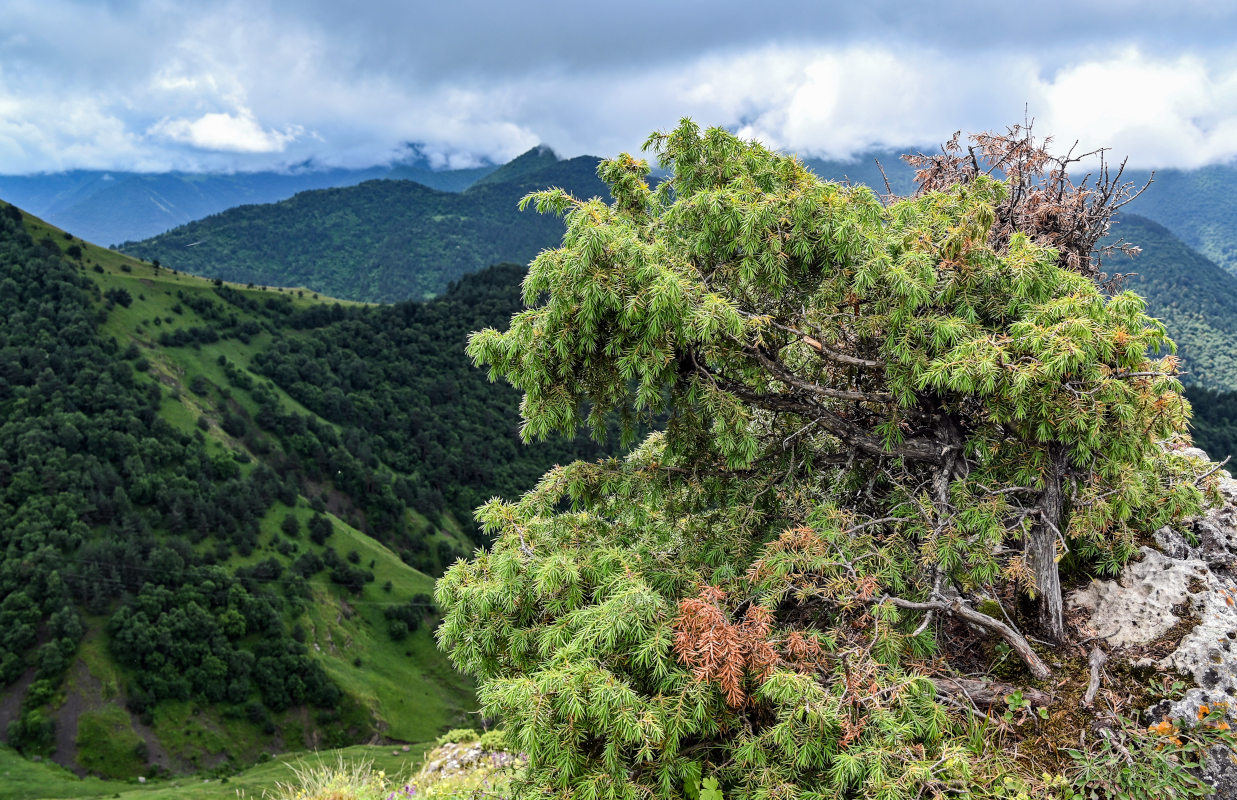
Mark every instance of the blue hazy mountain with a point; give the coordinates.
(112, 207)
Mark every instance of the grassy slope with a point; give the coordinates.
(24, 780)
(407, 687)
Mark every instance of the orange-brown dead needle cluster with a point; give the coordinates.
(725, 652)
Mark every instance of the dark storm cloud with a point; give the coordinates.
(497, 38)
(157, 85)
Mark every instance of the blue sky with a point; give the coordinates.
(157, 85)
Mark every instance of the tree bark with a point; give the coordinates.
(1041, 546)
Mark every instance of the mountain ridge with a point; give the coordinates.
(111, 207)
(380, 240)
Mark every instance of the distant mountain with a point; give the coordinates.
(532, 162)
(870, 169)
(380, 240)
(1199, 206)
(1191, 294)
(111, 207)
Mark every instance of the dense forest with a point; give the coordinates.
(1215, 422)
(1194, 297)
(395, 378)
(1198, 206)
(382, 240)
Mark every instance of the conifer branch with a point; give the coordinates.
(825, 352)
(918, 449)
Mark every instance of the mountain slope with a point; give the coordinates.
(118, 206)
(1199, 206)
(1195, 298)
(381, 240)
(195, 566)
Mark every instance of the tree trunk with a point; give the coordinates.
(1041, 546)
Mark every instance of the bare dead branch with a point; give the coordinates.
(1042, 200)
(991, 693)
(955, 608)
(1097, 659)
(1211, 471)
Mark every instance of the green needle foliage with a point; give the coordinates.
(877, 413)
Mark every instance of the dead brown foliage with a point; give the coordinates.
(1043, 201)
(727, 653)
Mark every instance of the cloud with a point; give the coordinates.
(1178, 112)
(157, 84)
(229, 133)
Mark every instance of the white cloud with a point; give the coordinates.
(1164, 112)
(156, 84)
(230, 133)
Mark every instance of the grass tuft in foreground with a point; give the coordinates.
(463, 767)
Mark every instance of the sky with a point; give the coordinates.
(155, 85)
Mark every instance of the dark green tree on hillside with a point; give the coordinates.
(884, 418)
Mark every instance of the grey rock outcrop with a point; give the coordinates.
(1186, 591)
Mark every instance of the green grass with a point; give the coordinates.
(26, 780)
(406, 685)
(128, 271)
(107, 744)
(23, 780)
(92, 652)
(199, 736)
(342, 628)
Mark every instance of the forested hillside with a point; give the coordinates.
(224, 506)
(1214, 425)
(1199, 206)
(381, 240)
(1194, 297)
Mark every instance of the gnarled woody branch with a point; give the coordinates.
(1097, 659)
(955, 608)
(915, 449)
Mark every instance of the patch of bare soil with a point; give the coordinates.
(10, 702)
(85, 693)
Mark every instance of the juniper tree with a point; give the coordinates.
(875, 415)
